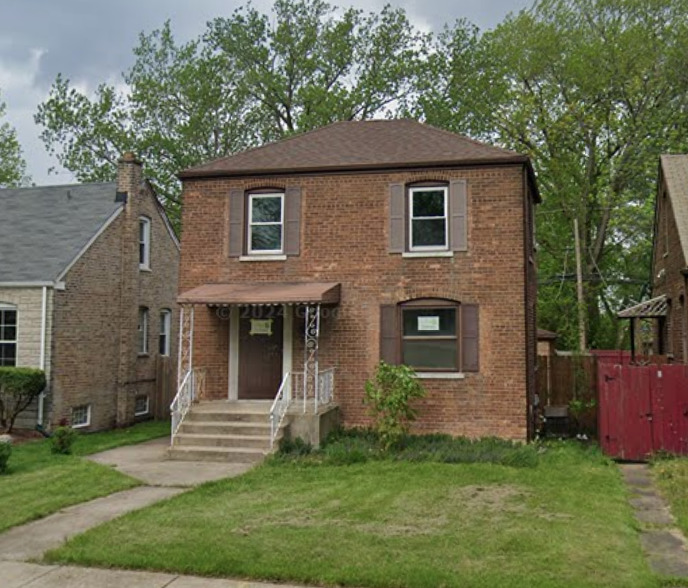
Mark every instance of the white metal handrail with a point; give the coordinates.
(279, 407)
(185, 396)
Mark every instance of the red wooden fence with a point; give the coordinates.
(642, 409)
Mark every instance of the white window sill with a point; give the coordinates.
(263, 258)
(81, 426)
(412, 254)
(143, 268)
(440, 375)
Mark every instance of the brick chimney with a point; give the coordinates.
(129, 178)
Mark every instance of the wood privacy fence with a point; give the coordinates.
(569, 385)
(165, 388)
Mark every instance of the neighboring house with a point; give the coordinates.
(545, 342)
(669, 261)
(322, 254)
(88, 282)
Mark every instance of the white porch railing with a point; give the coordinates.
(279, 407)
(191, 388)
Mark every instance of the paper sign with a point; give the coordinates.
(261, 327)
(428, 323)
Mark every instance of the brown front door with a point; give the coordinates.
(260, 353)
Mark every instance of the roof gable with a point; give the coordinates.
(43, 229)
(675, 172)
(358, 145)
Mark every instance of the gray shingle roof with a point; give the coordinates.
(675, 170)
(43, 229)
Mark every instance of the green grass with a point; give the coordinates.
(39, 482)
(671, 476)
(386, 524)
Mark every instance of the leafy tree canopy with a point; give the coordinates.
(12, 164)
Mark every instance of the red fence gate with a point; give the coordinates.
(642, 409)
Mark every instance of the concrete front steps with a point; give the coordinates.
(224, 431)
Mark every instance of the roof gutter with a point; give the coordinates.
(57, 285)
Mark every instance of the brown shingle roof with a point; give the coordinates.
(675, 170)
(263, 293)
(359, 145)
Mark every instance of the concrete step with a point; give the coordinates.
(244, 441)
(207, 415)
(224, 428)
(221, 454)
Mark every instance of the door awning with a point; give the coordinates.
(653, 308)
(266, 293)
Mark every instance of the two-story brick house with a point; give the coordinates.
(363, 241)
(88, 286)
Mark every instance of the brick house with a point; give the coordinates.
(307, 261)
(669, 262)
(88, 282)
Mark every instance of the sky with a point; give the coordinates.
(90, 42)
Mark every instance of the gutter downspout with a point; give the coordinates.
(44, 322)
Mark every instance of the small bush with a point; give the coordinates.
(18, 387)
(389, 395)
(62, 440)
(5, 453)
(294, 447)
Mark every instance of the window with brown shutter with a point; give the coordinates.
(430, 335)
(428, 217)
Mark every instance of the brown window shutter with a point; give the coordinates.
(458, 218)
(236, 222)
(470, 340)
(389, 334)
(397, 224)
(292, 220)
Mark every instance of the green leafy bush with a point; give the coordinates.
(62, 440)
(389, 395)
(18, 387)
(5, 453)
(294, 447)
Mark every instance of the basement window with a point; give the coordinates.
(81, 416)
(142, 405)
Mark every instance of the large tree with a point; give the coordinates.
(12, 164)
(593, 91)
(248, 79)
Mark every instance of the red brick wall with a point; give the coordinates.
(95, 339)
(344, 239)
(668, 261)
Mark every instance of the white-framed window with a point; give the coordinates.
(141, 405)
(8, 335)
(165, 326)
(429, 335)
(266, 223)
(143, 331)
(81, 416)
(428, 218)
(144, 242)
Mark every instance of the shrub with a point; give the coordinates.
(5, 452)
(18, 387)
(295, 447)
(62, 439)
(389, 397)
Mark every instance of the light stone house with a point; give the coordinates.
(88, 281)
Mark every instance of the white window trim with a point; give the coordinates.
(15, 341)
(412, 193)
(147, 410)
(257, 252)
(165, 329)
(146, 242)
(88, 417)
(144, 320)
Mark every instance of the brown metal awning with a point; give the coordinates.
(653, 308)
(262, 293)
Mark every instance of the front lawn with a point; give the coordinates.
(671, 476)
(39, 482)
(563, 522)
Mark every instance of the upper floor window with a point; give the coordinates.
(428, 210)
(144, 242)
(428, 218)
(165, 324)
(8, 335)
(143, 331)
(266, 223)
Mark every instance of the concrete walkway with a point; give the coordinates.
(148, 462)
(663, 543)
(28, 575)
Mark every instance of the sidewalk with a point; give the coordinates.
(29, 575)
